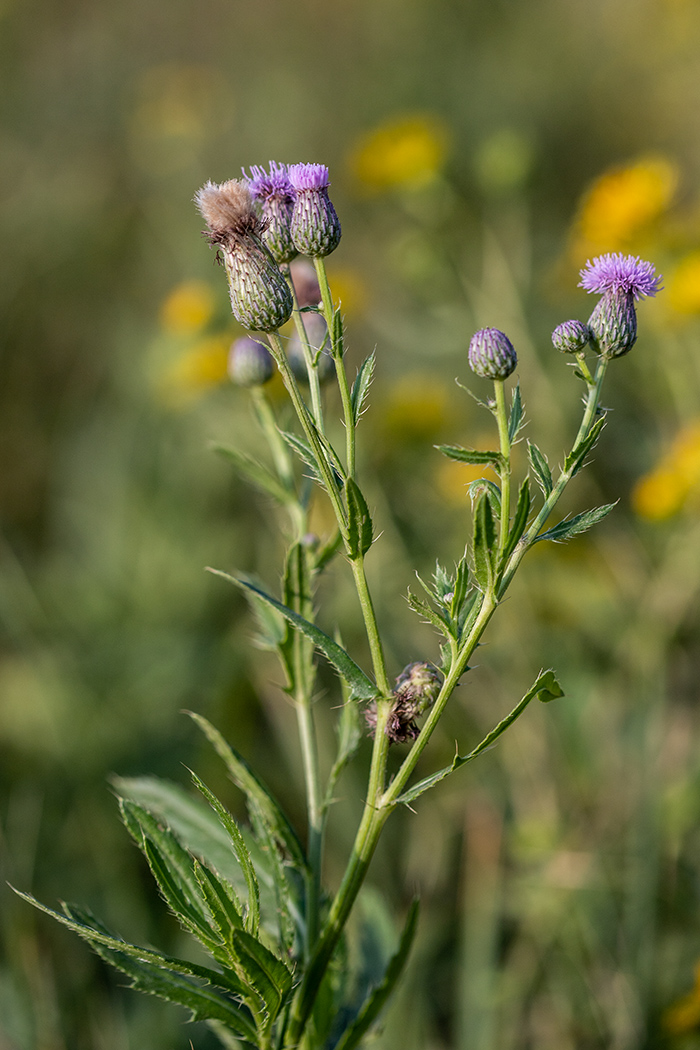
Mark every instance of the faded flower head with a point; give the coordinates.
(571, 337)
(491, 354)
(315, 225)
(416, 690)
(305, 281)
(622, 274)
(620, 280)
(274, 192)
(260, 298)
(249, 362)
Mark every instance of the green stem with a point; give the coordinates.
(505, 468)
(341, 374)
(311, 367)
(371, 626)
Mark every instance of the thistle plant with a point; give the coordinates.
(253, 895)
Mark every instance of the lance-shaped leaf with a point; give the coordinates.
(515, 419)
(265, 972)
(377, 998)
(361, 686)
(360, 530)
(255, 791)
(256, 474)
(431, 615)
(287, 887)
(573, 526)
(546, 687)
(576, 458)
(338, 340)
(241, 851)
(305, 453)
(360, 388)
(296, 591)
(540, 468)
(222, 901)
(162, 975)
(522, 509)
(484, 544)
(474, 456)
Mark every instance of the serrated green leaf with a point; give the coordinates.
(240, 849)
(338, 344)
(264, 971)
(515, 418)
(431, 615)
(482, 486)
(256, 474)
(360, 529)
(362, 687)
(360, 388)
(461, 587)
(540, 467)
(484, 544)
(576, 458)
(378, 997)
(573, 526)
(172, 868)
(222, 901)
(289, 902)
(168, 974)
(546, 684)
(522, 509)
(474, 456)
(305, 453)
(254, 789)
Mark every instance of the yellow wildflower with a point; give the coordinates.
(684, 1015)
(622, 202)
(453, 478)
(416, 408)
(683, 288)
(348, 287)
(664, 490)
(187, 308)
(407, 151)
(201, 367)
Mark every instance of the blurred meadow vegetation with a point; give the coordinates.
(479, 153)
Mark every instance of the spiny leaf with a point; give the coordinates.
(516, 415)
(270, 977)
(430, 614)
(573, 526)
(379, 995)
(540, 467)
(522, 509)
(474, 456)
(241, 851)
(484, 544)
(546, 686)
(338, 344)
(360, 388)
(575, 460)
(256, 473)
(305, 453)
(361, 686)
(360, 529)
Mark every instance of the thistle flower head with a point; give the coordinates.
(491, 354)
(315, 225)
(276, 184)
(571, 337)
(260, 298)
(627, 274)
(249, 362)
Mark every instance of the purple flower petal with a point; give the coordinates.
(620, 273)
(308, 176)
(263, 186)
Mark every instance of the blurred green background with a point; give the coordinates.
(479, 153)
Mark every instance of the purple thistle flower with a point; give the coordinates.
(571, 337)
(491, 354)
(315, 226)
(276, 196)
(615, 272)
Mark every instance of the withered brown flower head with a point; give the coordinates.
(227, 208)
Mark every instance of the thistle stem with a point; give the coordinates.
(337, 352)
(505, 467)
(311, 367)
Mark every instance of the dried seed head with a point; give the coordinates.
(228, 211)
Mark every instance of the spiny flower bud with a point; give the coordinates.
(317, 332)
(315, 225)
(571, 337)
(276, 196)
(491, 354)
(620, 280)
(249, 362)
(417, 688)
(260, 298)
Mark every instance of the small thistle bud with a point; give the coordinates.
(491, 354)
(249, 362)
(315, 225)
(620, 280)
(260, 298)
(276, 197)
(571, 337)
(317, 333)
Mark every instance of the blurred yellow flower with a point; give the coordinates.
(348, 288)
(203, 366)
(683, 287)
(663, 491)
(623, 202)
(416, 408)
(187, 308)
(453, 478)
(684, 1015)
(407, 151)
